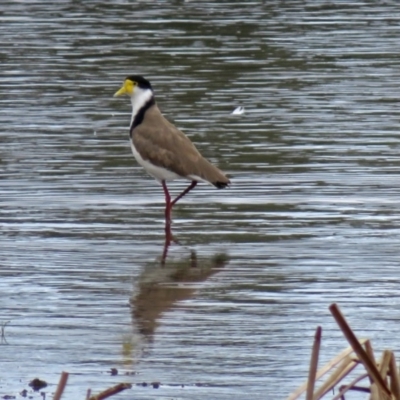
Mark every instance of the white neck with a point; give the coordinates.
(139, 98)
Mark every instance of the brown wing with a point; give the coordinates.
(161, 143)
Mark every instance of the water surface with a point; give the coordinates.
(312, 216)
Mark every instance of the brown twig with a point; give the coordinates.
(394, 378)
(370, 352)
(375, 392)
(314, 364)
(384, 364)
(350, 386)
(111, 391)
(61, 386)
(358, 349)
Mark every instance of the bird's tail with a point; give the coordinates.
(211, 174)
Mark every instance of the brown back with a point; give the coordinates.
(161, 143)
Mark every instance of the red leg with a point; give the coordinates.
(168, 233)
(168, 237)
(168, 206)
(186, 191)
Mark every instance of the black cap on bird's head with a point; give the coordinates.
(131, 82)
(140, 80)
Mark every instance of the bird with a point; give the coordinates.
(164, 151)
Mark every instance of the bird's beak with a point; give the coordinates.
(121, 91)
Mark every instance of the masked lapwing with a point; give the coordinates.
(161, 148)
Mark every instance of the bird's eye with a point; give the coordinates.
(134, 83)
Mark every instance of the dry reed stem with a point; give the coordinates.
(378, 394)
(375, 392)
(326, 368)
(88, 393)
(61, 386)
(348, 387)
(347, 365)
(394, 378)
(370, 352)
(111, 391)
(314, 363)
(361, 353)
(384, 364)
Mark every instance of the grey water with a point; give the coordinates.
(312, 216)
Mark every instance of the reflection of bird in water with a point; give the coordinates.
(160, 288)
(162, 149)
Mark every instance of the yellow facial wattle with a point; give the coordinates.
(127, 88)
